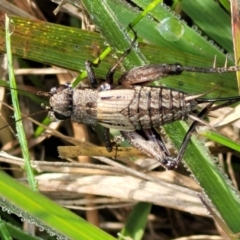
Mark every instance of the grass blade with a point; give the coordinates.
(17, 112)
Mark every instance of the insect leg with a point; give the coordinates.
(192, 128)
(149, 73)
(110, 73)
(154, 136)
(148, 143)
(202, 114)
(108, 82)
(211, 69)
(91, 74)
(107, 140)
(109, 76)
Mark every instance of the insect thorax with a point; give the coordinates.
(79, 105)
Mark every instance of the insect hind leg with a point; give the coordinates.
(193, 126)
(150, 143)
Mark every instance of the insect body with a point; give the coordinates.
(140, 107)
(134, 110)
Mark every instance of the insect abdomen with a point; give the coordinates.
(153, 107)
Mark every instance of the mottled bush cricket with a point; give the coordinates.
(133, 108)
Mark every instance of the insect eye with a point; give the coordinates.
(60, 116)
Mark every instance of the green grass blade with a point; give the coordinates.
(214, 16)
(17, 111)
(37, 209)
(4, 233)
(136, 222)
(217, 137)
(17, 233)
(225, 4)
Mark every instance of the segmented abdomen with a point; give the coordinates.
(152, 107)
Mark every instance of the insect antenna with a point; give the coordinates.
(22, 118)
(43, 94)
(38, 93)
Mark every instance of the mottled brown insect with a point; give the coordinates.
(134, 110)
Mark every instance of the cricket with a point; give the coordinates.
(135, 145)
(134, 108)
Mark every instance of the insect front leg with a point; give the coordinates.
(151, 144)
(109, 76)
(107, 84)
(102, 87)
(107, 139)
(91, 74)
(110, 73)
